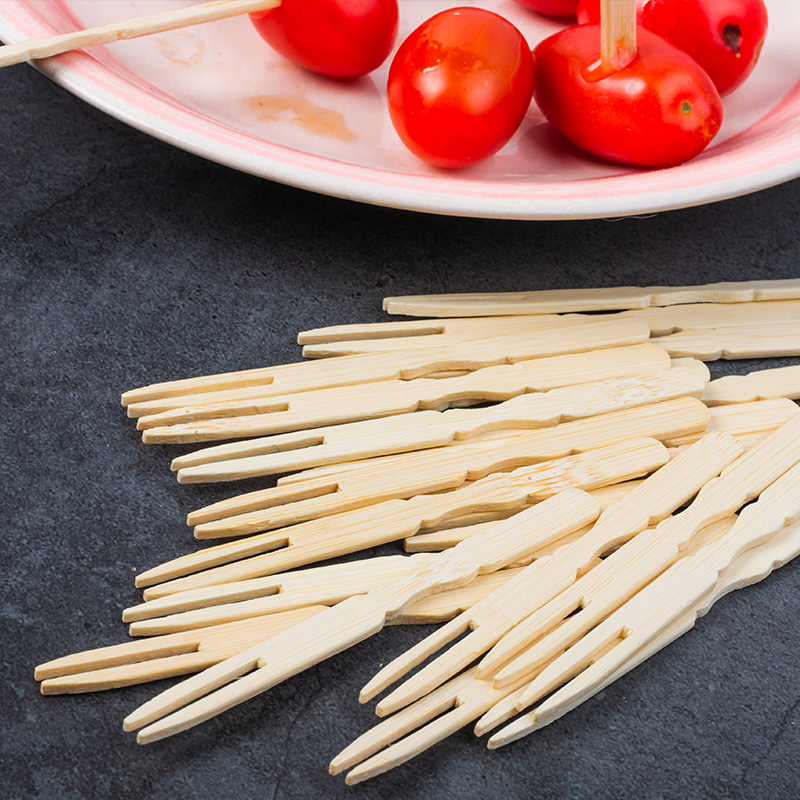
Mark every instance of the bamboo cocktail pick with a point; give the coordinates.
(131, 29)
(405, 365)
(560, 301)
(696, 581)
(430, 429)
(764, 384)
(652, 501)
(341, 487)
(355, 619)
(397, 519)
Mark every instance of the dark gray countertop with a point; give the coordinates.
(126, 262)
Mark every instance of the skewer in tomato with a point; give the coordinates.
(724, 36)
(459, 86)
(660, 110)
(337, 38)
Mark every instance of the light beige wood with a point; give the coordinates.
(404, 365)
(617, 33)
(763, 384)
(651, 502)
(631, 567)
(746, 552)
(322, 491)
(130, 29)
(355, 619)
(325, 407)
(397, 519)
(663, 320)
(559, 301)
(443, 536)
(747, 341)
(743, 419)
(184, 653)
(430, 429)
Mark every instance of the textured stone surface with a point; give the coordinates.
(125, 262)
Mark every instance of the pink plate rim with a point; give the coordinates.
(764, 155)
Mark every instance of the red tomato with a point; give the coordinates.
(459, 86)
(660, 110)
(552, 8)
(338, 38)
(724, 36)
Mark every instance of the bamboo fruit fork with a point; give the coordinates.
(130, 29)
(466, 697)
(182, 653)
(662, 321)
(355, 619)
(651, 502)
(340, 487)
(353, 370)
(763, 384)
(726, 557)
(560, 301)
(429, 429)
(337, 406)
(397, 519)
(695, 580)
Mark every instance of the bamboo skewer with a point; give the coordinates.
(560, 301)
(354, 370)
(131, 29)
(697, 580)
(397, 519)
(746, 341)
(429, 429)
(344, 625)
(652, 501)
(322, 491)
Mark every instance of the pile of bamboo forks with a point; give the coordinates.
(574, 489)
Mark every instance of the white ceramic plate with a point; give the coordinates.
(218, 91)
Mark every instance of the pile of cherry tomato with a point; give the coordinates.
(460, 85)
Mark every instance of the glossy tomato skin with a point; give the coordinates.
(724, 36)
(552, 8)
(659, 111)
(459, 86)
(337, 38)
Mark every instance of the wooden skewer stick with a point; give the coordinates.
(631, 567)
(560, 301)
(662, 320)
(328, 490)
(696, 581)
(651, 502)
(356, 619)
(764, 384)
(617, 33)
(397, 519)
(430, 429)
(405, 365)
(747, 341)
(131, 29)
(191, 651)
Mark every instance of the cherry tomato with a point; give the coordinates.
(724, 36)
(660, 110)
(459, 86)
(552, 8)
(338, 38)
